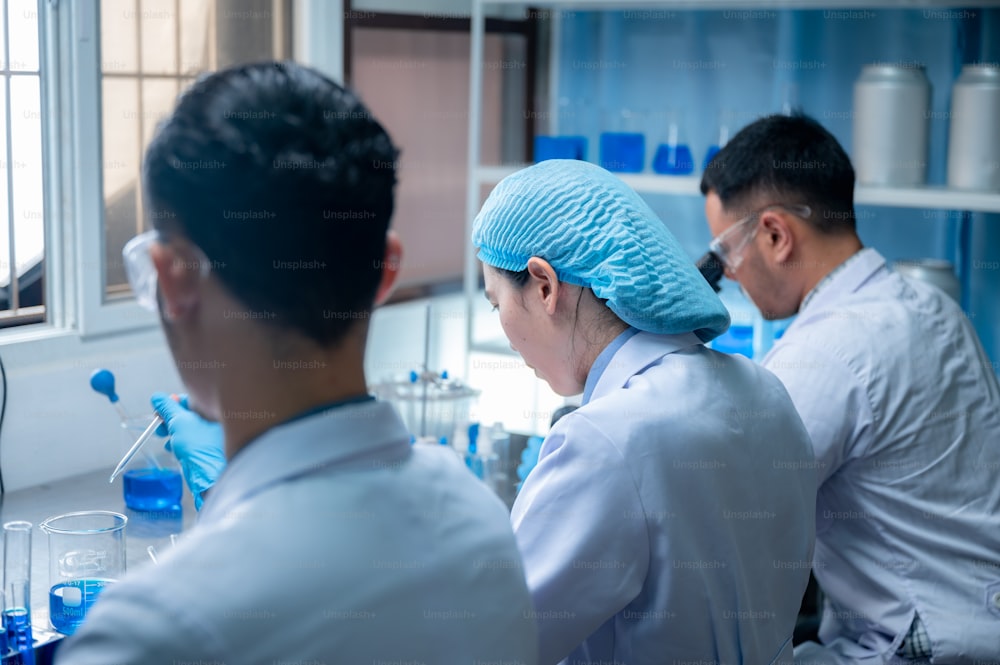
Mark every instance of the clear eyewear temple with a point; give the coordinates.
(718, 247)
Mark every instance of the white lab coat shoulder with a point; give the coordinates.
(688, 475)
(903, 410)
(380, 552)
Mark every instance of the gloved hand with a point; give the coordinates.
(529, 458)
(195, 442)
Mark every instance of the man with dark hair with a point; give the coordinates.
(900, 401)
(328, 538)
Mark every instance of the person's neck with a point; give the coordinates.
(829, 255)
(269, 390)
(595, 347)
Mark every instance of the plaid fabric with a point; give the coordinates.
(917, 644)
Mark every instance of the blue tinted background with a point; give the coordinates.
(701, 65)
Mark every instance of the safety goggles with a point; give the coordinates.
(141, 272)
(729, 246)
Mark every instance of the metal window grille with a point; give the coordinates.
(22, 236)
(150, 51)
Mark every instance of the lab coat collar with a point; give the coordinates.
(597, 369)
(639, 352)
(365, 435)
(861, 268)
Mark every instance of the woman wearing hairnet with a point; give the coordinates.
(670, 518)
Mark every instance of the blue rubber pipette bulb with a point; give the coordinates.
(103, 381)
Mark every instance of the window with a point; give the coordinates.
(150, 51)
(22, 235)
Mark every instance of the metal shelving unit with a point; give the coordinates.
(935, 197)
(479, 175)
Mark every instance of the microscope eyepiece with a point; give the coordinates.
(711, 269)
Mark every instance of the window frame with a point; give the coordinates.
(77, 27)
(77, 308)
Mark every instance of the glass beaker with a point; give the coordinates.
(673, 156)
(562, 139)
(622, 143)
(86, 553)
(152, 479)
(726, 122)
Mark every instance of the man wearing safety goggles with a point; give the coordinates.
(328, 537)
(900, 402)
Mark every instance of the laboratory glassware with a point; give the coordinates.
(151, 481)
(431, 404)
(17, 589)
(726, 119)
(86, 554)
(891, 110)
(673, 156)
(622, 143)
(561, 138)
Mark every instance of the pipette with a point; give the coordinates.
(103, 382)
(143, 438)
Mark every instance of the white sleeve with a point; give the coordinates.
(138, 626)
(582, 534)
(830, 399)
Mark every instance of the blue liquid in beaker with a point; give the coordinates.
(17, 624)
(152, 489)
(560, 147)
(623, 152)
(713, 150)
(673, 160)
(70, 601)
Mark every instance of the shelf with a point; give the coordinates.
(629, 5)
(933, 197)
(940, 198)
(649, 183)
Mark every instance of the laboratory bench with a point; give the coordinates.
(89, 491)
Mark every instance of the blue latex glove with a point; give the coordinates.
(529, 458)
(195, 442)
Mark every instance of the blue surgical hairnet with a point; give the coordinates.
(597, 232)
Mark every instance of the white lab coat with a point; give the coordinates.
(670, 518)
(327, 540)
(903, 409)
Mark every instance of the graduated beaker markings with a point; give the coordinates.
(86, 554)
(74, 564)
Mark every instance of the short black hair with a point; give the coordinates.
(791, 159)
(285, 181)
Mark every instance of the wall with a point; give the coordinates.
(432, 8)
(57, 427)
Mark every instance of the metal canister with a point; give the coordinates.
(891, 120)
(933, 271)
(974, 133)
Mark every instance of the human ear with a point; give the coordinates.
(777, 235)
(178, 276)
(544, 283)
(390, 266)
